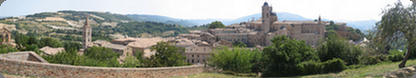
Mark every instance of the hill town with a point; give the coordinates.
(90, 44)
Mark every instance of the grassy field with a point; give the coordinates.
(374, 71)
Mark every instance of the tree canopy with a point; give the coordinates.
(167, 55)
(216, 24)
(399, 20)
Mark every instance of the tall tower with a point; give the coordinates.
(268, 17)
(87, 34)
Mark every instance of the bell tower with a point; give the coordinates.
(87, 34)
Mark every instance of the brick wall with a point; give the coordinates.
(38, 69)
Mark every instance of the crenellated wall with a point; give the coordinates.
(29, 68)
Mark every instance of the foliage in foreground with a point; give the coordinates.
(336, 47)
(284, 55)
(240, 60)
(7, 49)
(166, 55)
(94, 56)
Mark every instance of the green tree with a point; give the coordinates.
(72, 46)
(131, 61)
(337, 47)
(216, 24)
(167, 55)
(399, 20)
(68, 57)
(7, 49)
(21, 40)
(237, 59)
(100, 56)
(51, 42)
(285, 54)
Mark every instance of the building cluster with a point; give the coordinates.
(199, 45)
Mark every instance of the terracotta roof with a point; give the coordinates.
(51, 51)
(147, 42)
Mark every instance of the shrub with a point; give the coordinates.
(316, 67)
(336, 47)
(395, 55)
(238, 59)
(310, 67)
(334, 65)
(285, 54)
(7, 49)
(68, 57)
(369, 60)
(131, 61)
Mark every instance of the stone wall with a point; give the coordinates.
(29, 68)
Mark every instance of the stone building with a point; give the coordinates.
(6, 35)
(120, 49)
(198, 54)
(260, 32)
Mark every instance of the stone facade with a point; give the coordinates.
(260, 32)
(198, 54)
(6, 36)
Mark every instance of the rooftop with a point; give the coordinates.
(52, 51)
(147, 42)
(25, 56)
(115, 46)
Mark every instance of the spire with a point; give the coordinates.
(319, 18)
(86, 21)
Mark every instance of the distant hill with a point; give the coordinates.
(2, 17)
(281, 15)
(168, 20)
(363, 25)
(67, 25)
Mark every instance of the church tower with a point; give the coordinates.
(87, 34)
(268, 17)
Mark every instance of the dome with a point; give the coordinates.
(266, 4)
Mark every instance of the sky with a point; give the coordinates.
(347, 10)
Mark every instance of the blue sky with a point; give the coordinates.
(349, 10)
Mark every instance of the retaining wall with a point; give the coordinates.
(29, 68)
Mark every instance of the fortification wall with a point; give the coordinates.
(29, 68)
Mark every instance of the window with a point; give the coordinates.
(192, 60)
(192, 55)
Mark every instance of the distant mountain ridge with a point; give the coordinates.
(362, 25)
(281, 16)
